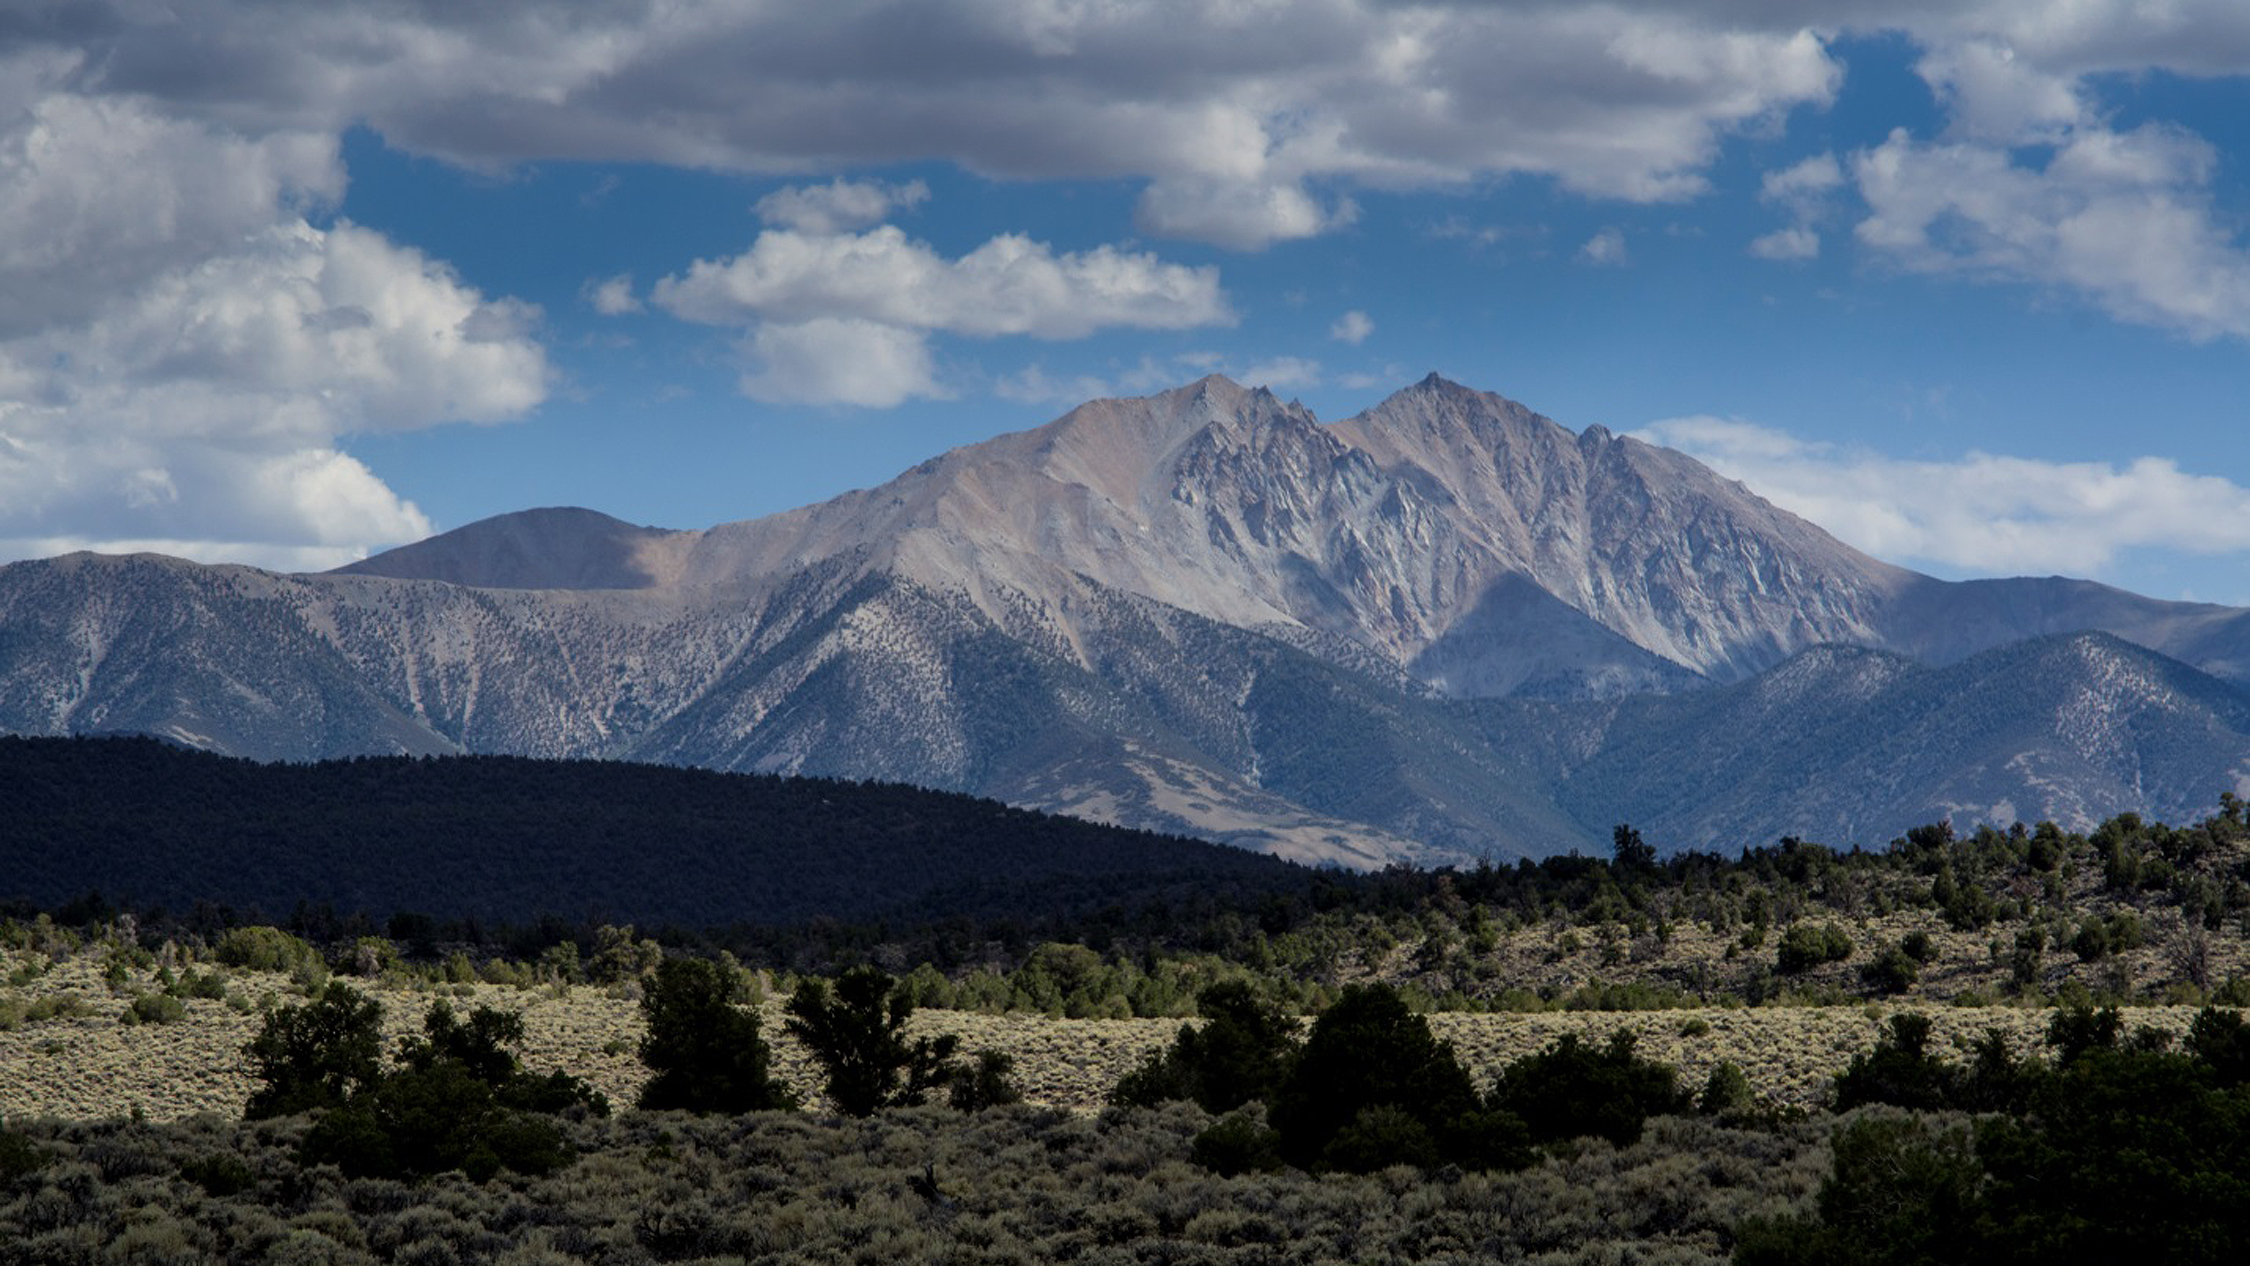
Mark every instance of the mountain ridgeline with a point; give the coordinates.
(1446, 627)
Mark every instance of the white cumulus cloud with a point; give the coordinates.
(1229, 114)
(1009, 285)
(2123, 218)
(2033, 183)
(1795, 242)
(840, 205)
(1353, 327)
(1982, 512)
(1246, 215)
(97, 195)
(182, 350)
(612, 296)
(1805, 188)
(1605, 248)
(839, 360)
(205, 409)
(814, 297)
(1805, 181)
(1282, 373)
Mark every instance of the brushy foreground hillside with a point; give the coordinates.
(1010, 1185)
(2080, 993)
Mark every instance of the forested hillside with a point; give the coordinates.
(511, 839)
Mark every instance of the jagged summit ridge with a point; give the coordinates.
(1411, 530)
(1447, 626)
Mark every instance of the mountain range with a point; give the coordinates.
(1444, 628)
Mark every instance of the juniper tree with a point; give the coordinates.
(858, 1038)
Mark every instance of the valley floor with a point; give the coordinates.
(91, 1065)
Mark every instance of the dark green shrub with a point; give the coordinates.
(1726, 1092)
(220, 1174)
(621, 954)
(1366, 1050)
(1804, 947)
(1486, 1137)
(2125, 1153)
(420, 1121)
(1995, 1080)
(1900, 1070)
(57, 1006)
(1238, 1143)
(458, 1100)
(2221, 1041)
(1906, 1189)
(480, 1047)
(263, 949)
(2092, 942)
(1572, 1089)
(2126, 932)
(858, 1038)
(2076, 1030)
(210, 986)
(19, 1156)
(1966, 906)
(1899, 1191)
(1919, 947)
(1240, 1053)
(555, 1093)
(317, 1055)
(704, 1053)
(154, 1008)
(1892, 971)
(987, 1082)
(1382, 1135)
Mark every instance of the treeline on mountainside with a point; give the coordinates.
(512, 839)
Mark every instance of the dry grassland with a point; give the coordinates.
(92, 1066)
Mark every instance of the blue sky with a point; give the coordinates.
(1966, 283)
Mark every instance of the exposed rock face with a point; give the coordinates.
(1201, 610)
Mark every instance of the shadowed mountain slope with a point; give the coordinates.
(1847, 745)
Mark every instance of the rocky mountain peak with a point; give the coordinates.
(1448, 621)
